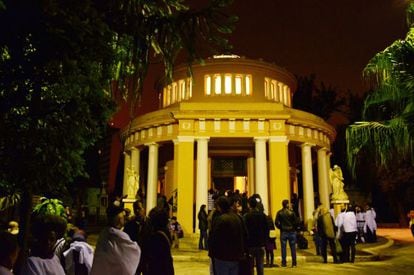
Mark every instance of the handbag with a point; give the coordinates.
(246, 265)
(338, 246)
(272, 234)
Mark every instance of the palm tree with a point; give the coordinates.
(386, 130)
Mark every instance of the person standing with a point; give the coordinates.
(257, 232)
(411, 222)
(370, 227)
(270, 242)
(203, 226)
(226, 243)
(347, 231)
(287, 221)
(43, 260)
(8, 253)
(326, 231)
(360, 216)
(156, 247)
(115, 252)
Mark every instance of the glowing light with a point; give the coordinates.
(227, 84)
(208, 85)
(238, 84)
(217, 84)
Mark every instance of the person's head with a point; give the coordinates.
(252, 202)
(116, 216)
(139, 210)
(46, 230)
(9, 249)
(203, 207)
(285, 204)
(223, 204)
(323, 210)
(158, 218)
(235, 203)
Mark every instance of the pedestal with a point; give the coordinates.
(128, 203)
(338, 205)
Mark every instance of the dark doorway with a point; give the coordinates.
(223, 183)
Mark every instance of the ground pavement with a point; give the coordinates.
(188, 259)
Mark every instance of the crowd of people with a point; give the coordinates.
(343, 231)
(241, 236)
(235, 231)
(129, 244)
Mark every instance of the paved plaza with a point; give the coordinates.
(392, 254)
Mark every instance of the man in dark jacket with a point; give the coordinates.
(226, 240)
(257, 232)
(287, 221)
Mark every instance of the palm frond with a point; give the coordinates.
(382, 140)
(9, 201)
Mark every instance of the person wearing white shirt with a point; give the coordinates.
(370, 227)
(347, 231)
(360, 216)
(115, 252)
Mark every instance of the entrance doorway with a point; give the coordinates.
(229, 173)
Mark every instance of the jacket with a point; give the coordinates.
(286, 220)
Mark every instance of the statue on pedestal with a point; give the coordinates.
(336, 178)
(132, 182)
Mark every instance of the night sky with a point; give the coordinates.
(333, 39)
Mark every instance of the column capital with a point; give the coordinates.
(202, 138)
(261, 138)
(184, 139)
(152, 144)
(133, 148)
(324, 149)
(279, 139)
(307, 144)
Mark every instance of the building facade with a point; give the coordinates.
(230, 125)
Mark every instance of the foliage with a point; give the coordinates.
(386, 130)
(9, 200)
(53, 90)
(60, 64)
(162, 28)
(56, 65)
(322, 100)
(50, 207)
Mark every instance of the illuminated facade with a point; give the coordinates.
(230, 126)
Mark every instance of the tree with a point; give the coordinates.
(385, 133)
(322, 100)
(58, 60)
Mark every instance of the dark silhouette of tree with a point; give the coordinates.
(60, 61)
(321, 100)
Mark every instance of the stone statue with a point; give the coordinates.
(132, 182)
(336, 177)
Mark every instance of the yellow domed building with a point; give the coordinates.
(229, 126)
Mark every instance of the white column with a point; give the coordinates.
(323, 178)
(152, 176)
(202, 174)
(261, 171)
(307, 181)
(250, 175)
(127, 166)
